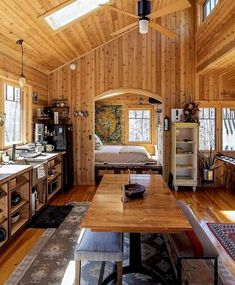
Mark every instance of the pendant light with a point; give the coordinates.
(22, 80)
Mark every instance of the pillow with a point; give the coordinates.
(98, 143)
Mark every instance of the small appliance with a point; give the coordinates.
(176, 114)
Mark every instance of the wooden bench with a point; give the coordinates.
(99, 246)
(192, 251)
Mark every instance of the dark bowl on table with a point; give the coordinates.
(134, 191)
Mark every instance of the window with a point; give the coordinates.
(13, 111)
(208, 6)
(139, 125)
(228, 139)
(207, 129)
(72, 12)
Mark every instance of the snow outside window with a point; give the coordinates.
(12, 109)
(139, 125)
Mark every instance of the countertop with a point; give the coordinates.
(6, 171)
(44, 156)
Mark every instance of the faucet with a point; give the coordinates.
(13, 152)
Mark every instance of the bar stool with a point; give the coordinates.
(99, 246)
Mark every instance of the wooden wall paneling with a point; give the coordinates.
(148, 62)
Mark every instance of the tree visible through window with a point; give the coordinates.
(139, 125)
(207, 129)
(228, 129)
(12, 109)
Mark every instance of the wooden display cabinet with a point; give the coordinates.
(21, 185)
(184, 147)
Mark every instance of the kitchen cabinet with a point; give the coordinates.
(15, 197)
(55, 179)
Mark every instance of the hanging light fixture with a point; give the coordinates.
(22, 79)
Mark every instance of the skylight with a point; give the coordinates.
(72, 12)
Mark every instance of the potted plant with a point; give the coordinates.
(208, 165)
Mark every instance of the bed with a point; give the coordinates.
(120, 158)
(123, 154)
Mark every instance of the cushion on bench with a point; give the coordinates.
(99, 246)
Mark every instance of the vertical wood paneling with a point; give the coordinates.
(148, 62)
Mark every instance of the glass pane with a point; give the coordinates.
(12, 109)
(17, 94)
(207, 129)
(9, 92)
(146, 114)
(71, 12)
(212, 113)
(228, 129)
(206, 113)
(208, 8)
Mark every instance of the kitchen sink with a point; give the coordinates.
(40, 169)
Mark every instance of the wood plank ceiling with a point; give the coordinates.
(46, 50)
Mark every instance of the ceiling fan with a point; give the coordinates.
(145, 17)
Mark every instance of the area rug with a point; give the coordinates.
(50, 217)
(225, 233)
(51, 261)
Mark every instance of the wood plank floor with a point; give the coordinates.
(209, 205)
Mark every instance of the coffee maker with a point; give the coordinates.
(39, 133)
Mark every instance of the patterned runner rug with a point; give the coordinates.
(225, 233)
(51, 261)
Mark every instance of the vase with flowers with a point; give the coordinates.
(190, 112)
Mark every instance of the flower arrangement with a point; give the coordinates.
(190, 112)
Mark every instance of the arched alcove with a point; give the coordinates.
(109, 94)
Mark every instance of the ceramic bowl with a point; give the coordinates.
(15, 217)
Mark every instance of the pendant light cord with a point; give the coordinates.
(22, 60)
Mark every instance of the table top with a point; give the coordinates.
(156, 212)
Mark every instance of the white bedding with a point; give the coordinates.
(121, 154)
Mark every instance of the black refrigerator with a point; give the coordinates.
(61, 136)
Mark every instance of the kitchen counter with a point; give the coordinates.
(44, 156)
(8, 170)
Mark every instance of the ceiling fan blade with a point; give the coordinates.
(125, 29)
(119, 10)
(162, 30)
(177, 5)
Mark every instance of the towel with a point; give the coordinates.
(41, 171)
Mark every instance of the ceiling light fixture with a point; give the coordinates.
(144, 25)
(22, 79)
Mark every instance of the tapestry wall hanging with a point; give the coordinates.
(108, 123)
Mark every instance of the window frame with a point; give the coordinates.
(219, 123)
(149, 108)
(26, 112)
(203, 8)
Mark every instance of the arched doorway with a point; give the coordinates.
(109, 94)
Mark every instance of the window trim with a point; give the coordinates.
(26, 108)
(152, 117)
(4, 83)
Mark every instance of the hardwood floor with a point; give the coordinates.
(209, 205)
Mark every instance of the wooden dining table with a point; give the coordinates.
(156, 212)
